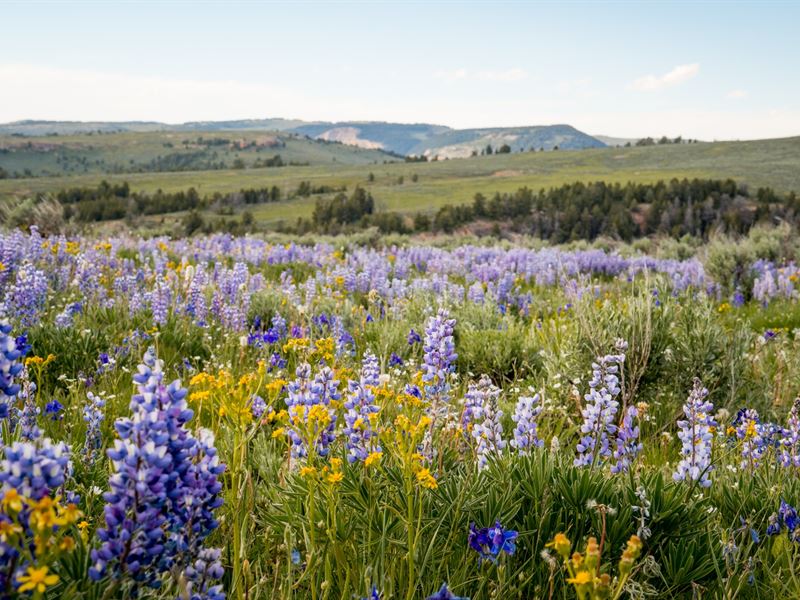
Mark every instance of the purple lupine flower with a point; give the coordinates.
(164, 489)
(302, 394)
(29, 413)
(750, 431)
(10, 368)
(600, 412)
(35, 470)
(489, 432)
(440, 355)
(525, 414)
(696, 437)
(627, 442)
(203, 574)
(490, 542)
(790, 439)
(93, 416)
(257, 406)
(474, 400)
(370, 370)
(27, 297)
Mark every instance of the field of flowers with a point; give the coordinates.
(223, 417)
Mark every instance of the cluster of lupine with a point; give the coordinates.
(439, 358)
(488, 429)
(599, 415)
(525, 415)
(362, 411)
(33, 521)
(164, 489)
(10, 368)
(786, 518)
(311, 418)
(93, 416)
(696, 435)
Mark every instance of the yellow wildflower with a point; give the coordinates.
(581, 578)
(36, 580)
(374, 457)
(425, 479)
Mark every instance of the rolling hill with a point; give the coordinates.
(164, 151)
(411, 187)
(400, 138)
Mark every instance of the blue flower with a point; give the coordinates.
(395, 360)
(489, 542)
(374, 594)
(445, 594)
(54, 408)
(413, 338)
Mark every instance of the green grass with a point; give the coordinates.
(773, 163)
(129, 152)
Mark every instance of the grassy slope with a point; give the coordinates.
(109, 152)
(774, 163)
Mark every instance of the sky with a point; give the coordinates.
(708, 70)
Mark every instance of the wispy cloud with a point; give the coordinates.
(737, 94)
(678, 75)
(506, 75)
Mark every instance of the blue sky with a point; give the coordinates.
(708, 70)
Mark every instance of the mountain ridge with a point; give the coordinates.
(421, 139)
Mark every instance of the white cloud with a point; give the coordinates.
(677, 75)
(515, 74)
(452, 75)
(737, 94)
(507, 75)
(37, 92)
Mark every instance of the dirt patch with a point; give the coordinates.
(507, 173)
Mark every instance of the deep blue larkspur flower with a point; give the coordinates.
(786, 517)
(445, 594)
(413, 338)
(395, 360)
(696, 437)
(525, 414)
(276, 361)
(374, 594)
(491, 542)
(54, 408)
(164, 489)
(600, 413)
(746, 528)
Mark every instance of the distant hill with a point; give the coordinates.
(121, 152)
(400, 138)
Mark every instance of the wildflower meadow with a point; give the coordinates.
(245, 418)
